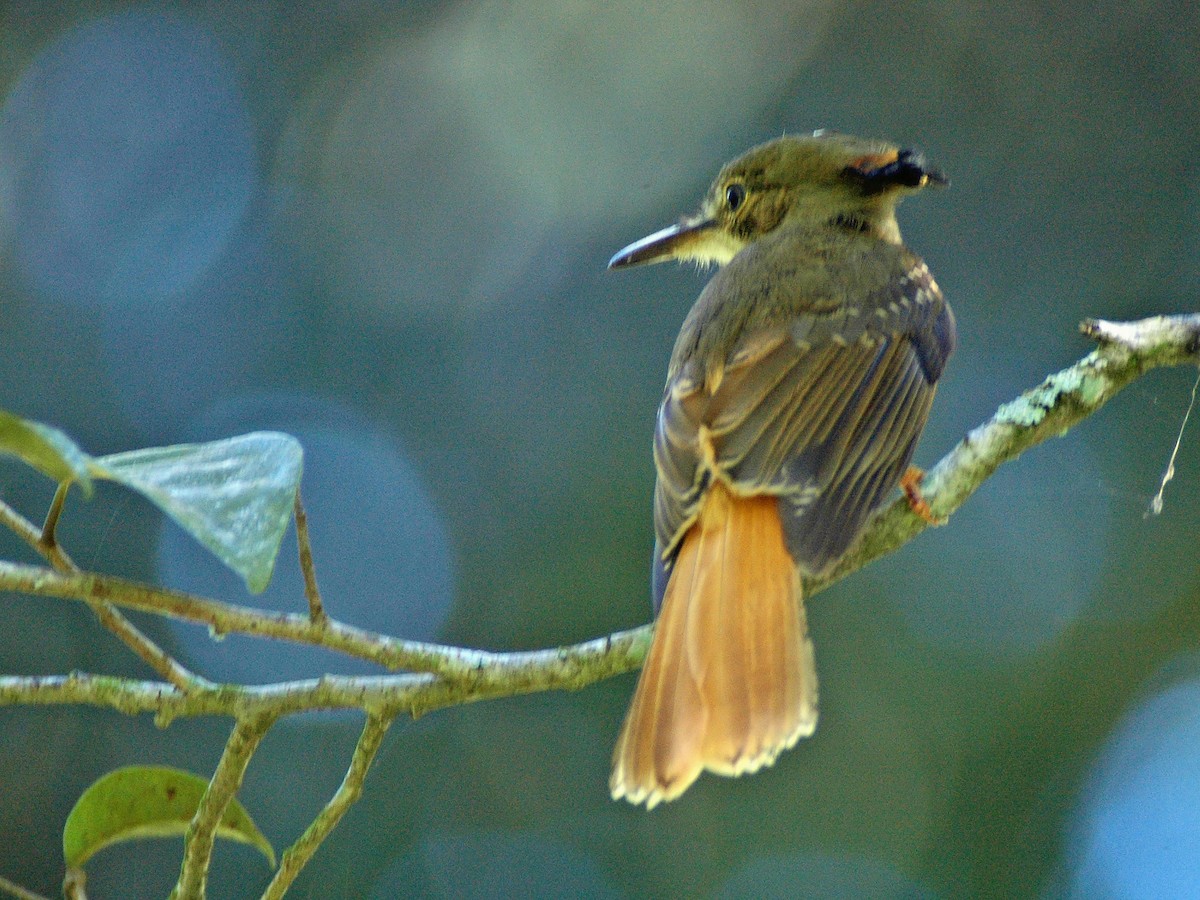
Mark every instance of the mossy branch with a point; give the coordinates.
(1126, 351)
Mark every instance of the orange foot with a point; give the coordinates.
(910, 483)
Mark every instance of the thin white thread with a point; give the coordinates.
(1156, 505)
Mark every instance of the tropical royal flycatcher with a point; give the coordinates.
(798, 387)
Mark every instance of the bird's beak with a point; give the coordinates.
(687, 240)
(933, 178)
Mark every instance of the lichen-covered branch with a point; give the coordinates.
(1127, 350)
(202, 832)
(453, 663)
(453, 675)
(498, 675)
(297, 856)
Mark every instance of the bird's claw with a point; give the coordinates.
(910, 483)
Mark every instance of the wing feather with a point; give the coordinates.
(822, 411)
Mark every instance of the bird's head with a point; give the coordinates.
(823, 180)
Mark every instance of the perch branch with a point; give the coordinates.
(455, 675)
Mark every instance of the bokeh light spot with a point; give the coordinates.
(1137, 830)
(128, 157)
(493, 864)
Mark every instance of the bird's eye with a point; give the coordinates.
(735, 195)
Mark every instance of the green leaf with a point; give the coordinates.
(147, 801)
(46, 449)
(234, 496)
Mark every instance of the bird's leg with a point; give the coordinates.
(910, 483)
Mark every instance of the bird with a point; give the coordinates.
(796, 392)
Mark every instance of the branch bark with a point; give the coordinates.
(21, 893)
(226, 780)
(1127, 351)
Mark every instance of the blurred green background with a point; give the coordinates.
(384, 228)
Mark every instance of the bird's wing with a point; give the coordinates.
(824, 412)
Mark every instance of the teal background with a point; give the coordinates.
(384, 228)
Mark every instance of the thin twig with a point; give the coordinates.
(296, 857)
(226, 780)
(21, 893)
(505, 674)
(49, 536)
(45, 543)
(316, 608)
(32, 535)
(227, 618)
(1156, 505)
(145, 648)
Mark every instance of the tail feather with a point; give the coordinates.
(729, 681)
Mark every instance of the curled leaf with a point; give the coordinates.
(147, 801)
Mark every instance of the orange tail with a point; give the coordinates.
(729, 681)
